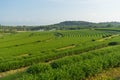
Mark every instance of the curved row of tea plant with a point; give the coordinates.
(23, 62)
(75, 67)
(26, 52)
(18, 44)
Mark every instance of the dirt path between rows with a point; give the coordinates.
(67, 47)
(3, 74)
(109, 37)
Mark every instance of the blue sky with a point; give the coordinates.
(43, 12)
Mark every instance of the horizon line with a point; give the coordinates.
(55, 23)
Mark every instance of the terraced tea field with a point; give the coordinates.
(58, 55)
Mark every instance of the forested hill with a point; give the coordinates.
(66, 25)
(87, 24)
(77, 23)
(73, 25)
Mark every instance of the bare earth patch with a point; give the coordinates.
(113, 73)
(3, 74)
(67, 47)
(108, 37)
(23, 55)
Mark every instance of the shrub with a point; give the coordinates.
(93, 39)
(112, 43)
(38, 68)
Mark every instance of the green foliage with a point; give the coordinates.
(79, 67)
(112, 43)
(85, 54)
(38, 68)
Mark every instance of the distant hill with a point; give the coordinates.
(73, 25)
(66, 25)
(110, 23)
(84, 23)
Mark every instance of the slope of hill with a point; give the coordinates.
(74, 25)
(71, 23)
(66, 25)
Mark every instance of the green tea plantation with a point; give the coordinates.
(58, 55)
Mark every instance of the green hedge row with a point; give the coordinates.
(24, 62)
(18, 63)
(81, 68)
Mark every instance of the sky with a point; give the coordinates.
(44, 12)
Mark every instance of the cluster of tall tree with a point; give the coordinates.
(5, 29)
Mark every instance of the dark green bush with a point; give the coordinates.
(112, 43)
(38, 68)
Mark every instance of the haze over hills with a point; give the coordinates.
(67, 25)
(83, 23)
